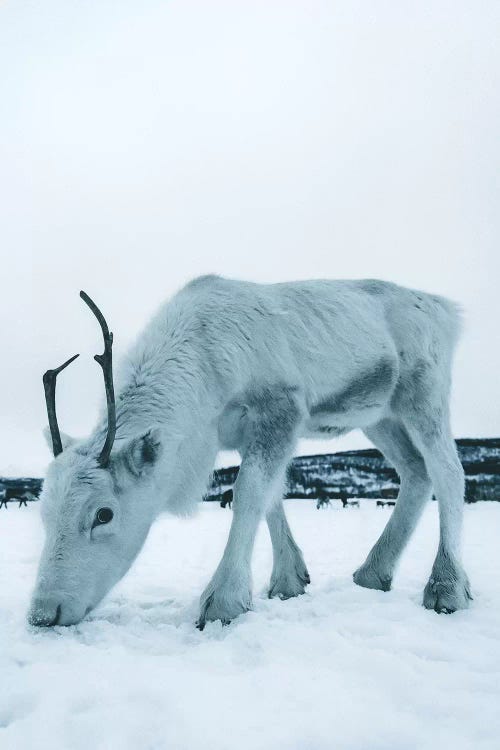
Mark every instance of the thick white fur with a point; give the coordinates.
(233, 364)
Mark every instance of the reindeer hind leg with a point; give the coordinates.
(390, 436)
(290, 576)
(425, 412)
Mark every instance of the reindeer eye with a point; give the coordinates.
(103, 515)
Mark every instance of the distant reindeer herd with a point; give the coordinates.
(226, 499)
(323, 500)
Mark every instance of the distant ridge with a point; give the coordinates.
(347, 474)
(365, 473)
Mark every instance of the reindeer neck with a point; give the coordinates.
(156, 388)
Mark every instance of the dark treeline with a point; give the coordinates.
(351, 474)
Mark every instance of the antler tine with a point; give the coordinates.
(49, 384)
(106, 361)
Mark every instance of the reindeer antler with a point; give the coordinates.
(106, 361)
(49, 384)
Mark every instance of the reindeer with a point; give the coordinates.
(13, 493)
(323, 499)
(253, 367)
(323, 502)
(384, 503)
(227, 499)
(25, 497)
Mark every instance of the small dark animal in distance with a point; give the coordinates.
(383, 503)
(226, 499)
(324, 501)
(12, 494)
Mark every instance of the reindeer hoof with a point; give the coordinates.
(446, 596)
(286, 586)
(222, 605)
(368, 578)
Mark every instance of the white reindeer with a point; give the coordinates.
(253, 367)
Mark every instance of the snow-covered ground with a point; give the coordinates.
(341, 668)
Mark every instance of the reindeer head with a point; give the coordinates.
(97, 508)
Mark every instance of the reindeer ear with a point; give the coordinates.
(66, 440)
(141, 453)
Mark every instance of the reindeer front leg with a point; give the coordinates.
(268, 421)
(290, 576)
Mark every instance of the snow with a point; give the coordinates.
(341, 668)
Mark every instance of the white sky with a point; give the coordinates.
(143, 143)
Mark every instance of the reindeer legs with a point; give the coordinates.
(268, 437)
(290, 575)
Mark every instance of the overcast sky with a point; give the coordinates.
(143, 143)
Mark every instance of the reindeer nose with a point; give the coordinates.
(44, 613)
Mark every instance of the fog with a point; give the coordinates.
(145, 143)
